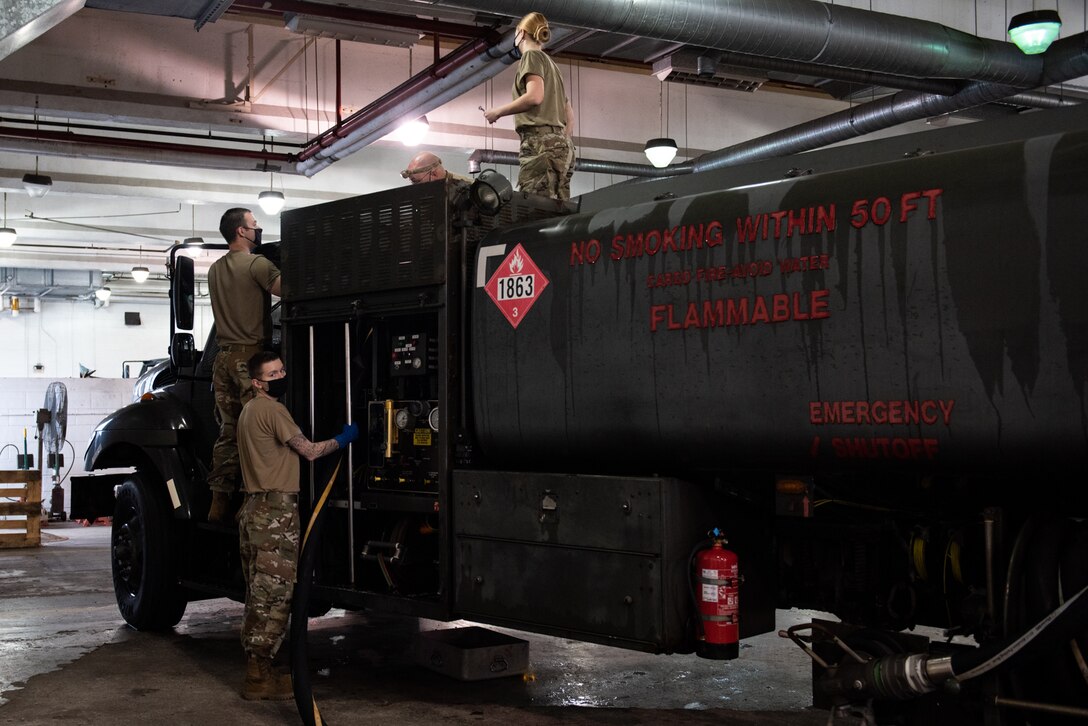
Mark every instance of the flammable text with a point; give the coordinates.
(727, 312)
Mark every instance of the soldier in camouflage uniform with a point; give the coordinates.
(239, 283)
(269, 444)
(541, 113)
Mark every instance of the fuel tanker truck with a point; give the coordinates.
(851, 381)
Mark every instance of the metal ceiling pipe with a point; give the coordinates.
(385, 113)
(68, 137)
(372, 17)
(464, 60)
(152, 154)
(802, 30)
(1066, 59)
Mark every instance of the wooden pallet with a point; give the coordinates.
(21, 508)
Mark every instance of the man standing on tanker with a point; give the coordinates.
(269, 444)
(238, 283)
(543, 116)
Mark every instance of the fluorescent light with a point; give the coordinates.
(412, 133)
(7, 236)
(271, 201)
(37, 185)
(660, 152)
(1034, 32)
(103, 294)
(139, 274)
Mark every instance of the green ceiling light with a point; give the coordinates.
(1034, 32)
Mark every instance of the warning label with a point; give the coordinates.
(516, 285)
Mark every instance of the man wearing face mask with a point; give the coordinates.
(239, 283)
(269, 444)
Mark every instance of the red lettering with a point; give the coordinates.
(818, 304)
(617, 247)
(906, 204)
(780, 307)
(931, 195)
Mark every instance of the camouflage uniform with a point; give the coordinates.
(231, 383)
(564, 184)
(543, 161)
(268, 533)
(544, 157)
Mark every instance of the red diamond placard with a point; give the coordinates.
(516, 285)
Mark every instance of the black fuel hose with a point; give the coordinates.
(1061, 625)
(300, 608)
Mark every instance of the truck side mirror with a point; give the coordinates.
(182, 350)
(182, 291)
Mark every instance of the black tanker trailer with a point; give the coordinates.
(858, 374)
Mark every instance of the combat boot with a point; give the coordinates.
(263, 683)
(220, 509)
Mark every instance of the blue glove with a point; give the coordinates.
(349, 434)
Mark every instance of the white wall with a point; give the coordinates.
(89, 401)
(67, 333)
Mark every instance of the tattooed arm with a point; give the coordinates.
(311, 450)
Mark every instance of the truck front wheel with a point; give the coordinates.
(143, 553)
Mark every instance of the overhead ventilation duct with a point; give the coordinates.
(700, 69)
(803, 30)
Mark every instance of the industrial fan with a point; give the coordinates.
(52, 428)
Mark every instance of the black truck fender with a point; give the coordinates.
(152, 436)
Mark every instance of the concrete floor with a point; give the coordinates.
(66, 657)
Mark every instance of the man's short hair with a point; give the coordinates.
(258, 359)
(231, 220)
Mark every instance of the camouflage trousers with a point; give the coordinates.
(230, 381)
(544, 158)
(268, 535)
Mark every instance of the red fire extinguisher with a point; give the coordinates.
(718, 595)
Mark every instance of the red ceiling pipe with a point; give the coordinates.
(67, 136)
(393, 20)
(465, 54)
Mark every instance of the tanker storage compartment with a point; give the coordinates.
(597, 558)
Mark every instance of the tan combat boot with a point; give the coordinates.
(263, 683)
(220, 509)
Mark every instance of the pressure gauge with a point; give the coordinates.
(432, 419)
(402, 419)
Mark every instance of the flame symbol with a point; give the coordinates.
(517, 262)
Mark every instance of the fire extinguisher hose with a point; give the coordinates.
(300, 606)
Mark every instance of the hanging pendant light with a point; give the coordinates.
(270, 200)
(37, 185)
(7, 234)
(661, 151)
(140, 273)
(1034, 32)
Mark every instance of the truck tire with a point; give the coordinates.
(143, 555)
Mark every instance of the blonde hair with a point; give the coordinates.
(536, 27)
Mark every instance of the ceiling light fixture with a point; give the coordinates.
(7, 234)
(660, 152)
(1034, 32)
(412, 133)
(140, 273)
(103, 294)
(271, 201)
(37, 185)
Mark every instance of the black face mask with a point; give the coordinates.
(257, 237)
(277, 387)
